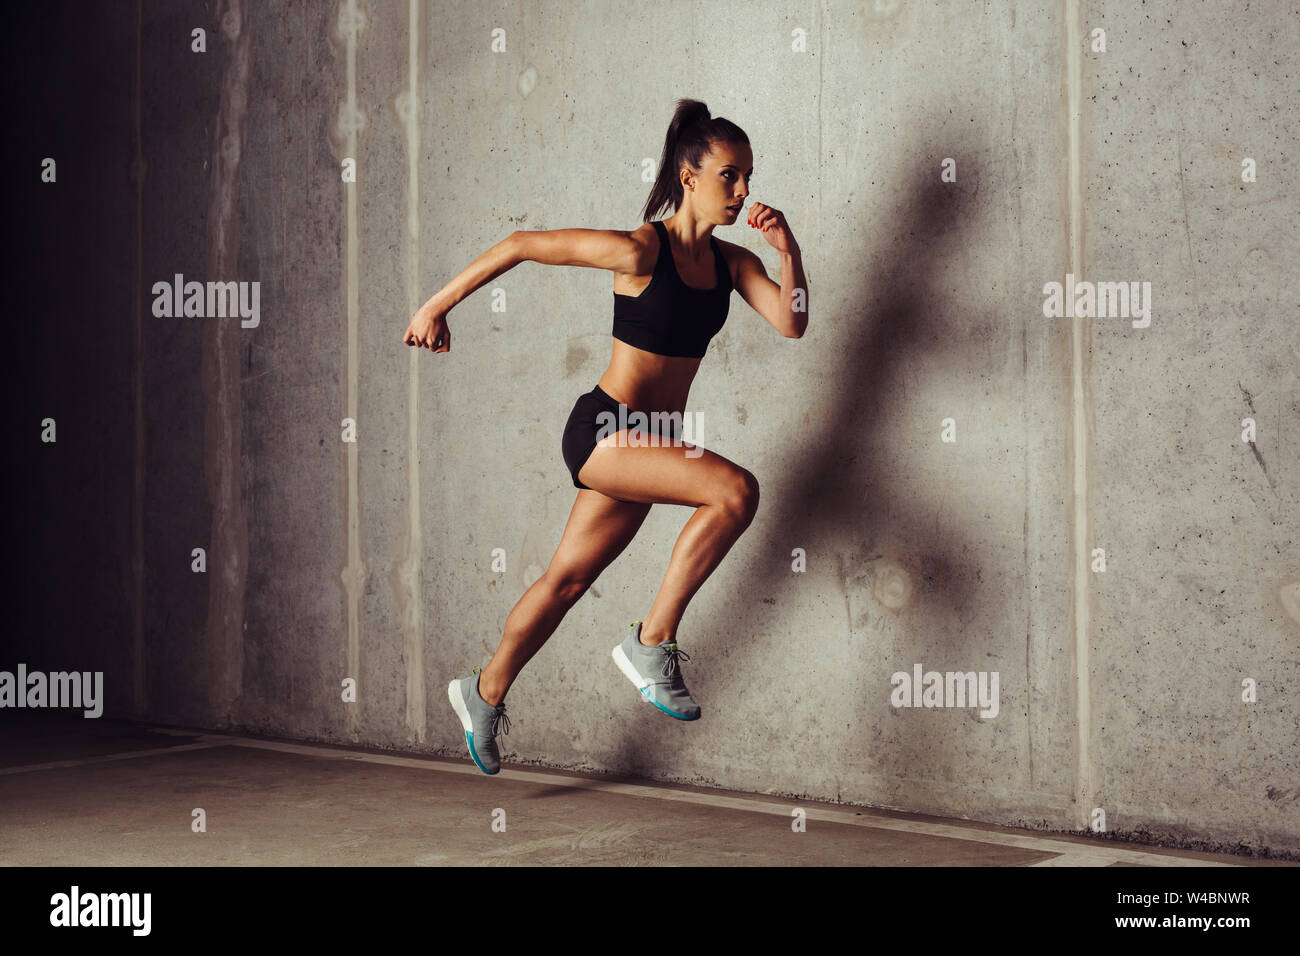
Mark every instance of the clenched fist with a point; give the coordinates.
(428, 329)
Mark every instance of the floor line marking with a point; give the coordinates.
(1091, 859)
(206, 744)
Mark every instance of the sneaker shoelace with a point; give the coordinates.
(673, 654)
(498, 714)
(498, 718)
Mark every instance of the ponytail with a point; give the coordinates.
(691, 136)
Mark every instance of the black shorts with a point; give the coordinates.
(582, 430)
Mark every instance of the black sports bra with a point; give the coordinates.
(669, 317)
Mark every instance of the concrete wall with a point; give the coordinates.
(1120, 691)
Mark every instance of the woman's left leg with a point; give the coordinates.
(598, 530)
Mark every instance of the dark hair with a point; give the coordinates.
(691, 136)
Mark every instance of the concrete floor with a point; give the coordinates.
(100, 792)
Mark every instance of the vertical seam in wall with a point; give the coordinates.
(220, 375)
(353, 573)
(416, 716)
(1080, 329)
(139, 699)
(823, 34)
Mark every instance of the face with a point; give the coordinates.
(722, 184)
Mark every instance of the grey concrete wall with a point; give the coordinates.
(1120, 691)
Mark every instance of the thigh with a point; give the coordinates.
(598, 529)
(681, 474)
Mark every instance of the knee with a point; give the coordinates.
(569, 584)
(740, 497)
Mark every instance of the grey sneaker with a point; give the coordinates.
(482, 721)
(655, 673)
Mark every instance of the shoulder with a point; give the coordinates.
(737, 257)
(645, 239)
(646, 232)
(733, 252)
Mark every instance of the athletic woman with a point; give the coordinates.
(672, 290)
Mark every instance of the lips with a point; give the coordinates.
(736, 208)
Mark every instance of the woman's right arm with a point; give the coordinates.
(428, 328)
(596, 248)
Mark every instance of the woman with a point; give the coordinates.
(672, 288)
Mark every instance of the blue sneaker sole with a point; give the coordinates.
(458, 704)
(469, 742)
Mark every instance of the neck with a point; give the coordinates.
(692, 234)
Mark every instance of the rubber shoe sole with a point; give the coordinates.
(462, 711)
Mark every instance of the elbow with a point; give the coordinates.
(798, 328)
(517, 245)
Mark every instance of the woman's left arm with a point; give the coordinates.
(784, 306)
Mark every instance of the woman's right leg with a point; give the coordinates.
(724, 495)
(598, 530)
